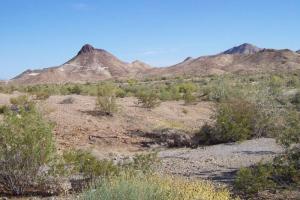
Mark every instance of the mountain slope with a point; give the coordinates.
(234, 61)
(298, 51)
(245, 48)
(89, 64)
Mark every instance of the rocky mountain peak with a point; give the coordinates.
(87, 48)
(187, 59)
(245, 48)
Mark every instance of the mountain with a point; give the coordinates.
(298, 51)
(90, 64)
(245, 58)
(245, 48)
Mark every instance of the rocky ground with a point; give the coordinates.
(218, 162)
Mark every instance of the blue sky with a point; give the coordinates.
(44, 33)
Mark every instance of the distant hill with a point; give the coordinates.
(245, 48)
(245, 58)
(90, 64)
(298, 51)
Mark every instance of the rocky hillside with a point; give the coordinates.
(90, 64)
(245, 48)
(245, 58)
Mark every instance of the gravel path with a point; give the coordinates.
(218, 162)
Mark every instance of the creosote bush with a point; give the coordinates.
(26, 145)
(188, 92)
(234, 121)
(85, 163)
(3, 109)
(20, 100)
(43, 95)
(106, 99)
(148, 98)
(253, 180)
(284, 171)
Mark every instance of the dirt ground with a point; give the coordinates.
(78, 125)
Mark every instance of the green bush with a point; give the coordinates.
(126, 187)
(296, 100)
(234, 121)
(3, 109)
(217, 90)
(42, 95)
(284, 171)
(148, 98)
(106, 99)
(188, 90)
(253, 180)
(287, 168)
(85, 163)
(75, 90)
(143, 162)
(288, 133)
(20, 100)
(26, 145)
(120, 93)
(171, 92)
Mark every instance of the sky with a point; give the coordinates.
(44, 33)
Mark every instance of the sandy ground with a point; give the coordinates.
(77, 125)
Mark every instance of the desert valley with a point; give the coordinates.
(225, 118)
(149, 100)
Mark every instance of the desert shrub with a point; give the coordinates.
(295, 100)
(120, 93)
(171, 92)
(188, 92)
(132, 82)
(253, 180)
(3, 109)
(74, 89)
(85, 163)
(288, 132)
(148, 98)
(143, 162)
(26, 145)
(217, 90)
(42, 95)
(148, 187)
(284, 171)
(275, 84)
(106, 99)
(234, 121)
(20, 100)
